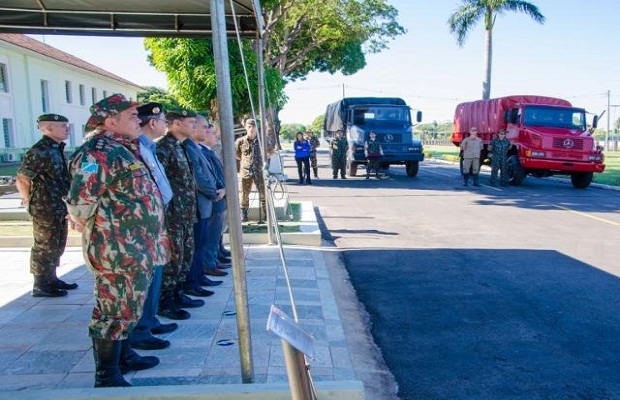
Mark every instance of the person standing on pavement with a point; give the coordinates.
(181, 213)
(471, 147)
(499, 158)
(373, 152)
(314, 143)
(119, 209)
(42, 181)
(339, 148)
(207, 193)
(302, 158)
(153, 126)
(251, 168)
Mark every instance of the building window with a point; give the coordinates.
(93, 95)
(4, 79)
(45, 96)
(72, 138)
(105, 94)
(68, 92)
(82, 95)
(7, 132)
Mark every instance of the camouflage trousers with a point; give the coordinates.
(50, 238)
(339, 165)
(181, 254)
(313, 163)
(120, 292)
(501, 165)
(246, 188)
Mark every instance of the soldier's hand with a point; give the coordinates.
(24, 203)
(76, 223)
(220, 194)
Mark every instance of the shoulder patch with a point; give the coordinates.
(89, 167)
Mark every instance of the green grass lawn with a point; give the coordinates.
(611, 176)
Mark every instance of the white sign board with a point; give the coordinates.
(286, 328)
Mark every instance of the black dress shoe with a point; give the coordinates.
(173, 312)
(215, 272)
(165, 328)
(60, 284)
(204, 281)
(223, 266)
(150, 343)
(224, 260)
(184, 301)
(225, 252)
(199, 292)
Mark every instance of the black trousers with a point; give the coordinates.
(304, 173)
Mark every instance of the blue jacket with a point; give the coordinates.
(205, 181)
(302, 149)
(218, 172)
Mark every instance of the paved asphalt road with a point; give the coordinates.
(481, 293)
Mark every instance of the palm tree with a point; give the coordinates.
(464, 19)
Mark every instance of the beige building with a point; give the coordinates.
(36, 79)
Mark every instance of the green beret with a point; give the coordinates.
(52, 117)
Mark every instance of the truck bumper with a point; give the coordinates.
(559, 165)
(392, 158)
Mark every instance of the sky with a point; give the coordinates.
(574, 55)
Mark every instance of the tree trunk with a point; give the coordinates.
(488, 57)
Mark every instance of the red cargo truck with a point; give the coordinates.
(548, 136)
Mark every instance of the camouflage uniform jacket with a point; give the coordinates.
(113, 189)
(249, 153)
(172, 155)
(339, 151)
(500, 148)
(373, 148)
(46, 166)
(314, 143)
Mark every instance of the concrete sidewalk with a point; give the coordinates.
(45, 351)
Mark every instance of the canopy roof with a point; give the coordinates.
(181, 18)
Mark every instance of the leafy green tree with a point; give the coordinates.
(288, 131)
(463, 20)
(158, 95)
(317, 125)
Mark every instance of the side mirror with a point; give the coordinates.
(418, 116)
(595, 121)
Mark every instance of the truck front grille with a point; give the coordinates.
(568, 143)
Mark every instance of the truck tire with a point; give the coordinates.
(516, 174)
(412, 168)
(351, 168)
(581, 180)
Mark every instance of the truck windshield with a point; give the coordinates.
(556, 117)
(381, 115)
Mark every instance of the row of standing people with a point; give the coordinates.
(339, 148)
(471, 148)
(305, 156)
(151, 216)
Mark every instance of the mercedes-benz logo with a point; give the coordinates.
(568, 143)
(389, 137)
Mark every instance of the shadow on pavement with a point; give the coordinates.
(491, 324)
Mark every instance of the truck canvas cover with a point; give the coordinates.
(488, 115)
(336, 113)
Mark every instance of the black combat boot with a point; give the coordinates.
(244, 215)
(107, 372)
(60, 284)
(466, 179)
(43, 287)
(132, 361)
(476, 183)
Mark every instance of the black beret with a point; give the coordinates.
(150, 110)
(52, 117)
(180, 113)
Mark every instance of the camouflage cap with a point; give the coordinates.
(180, 113)
(250, 122)
(150, 110)
(52, 118)
(107, 107)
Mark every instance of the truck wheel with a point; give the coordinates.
(412, 168)
(581, 180)
(352, 168)
(516, 174)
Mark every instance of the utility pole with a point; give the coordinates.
(608, 120)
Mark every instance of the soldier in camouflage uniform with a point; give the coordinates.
(180, 215)
(499, 158)
(43, 180)
(373, 152)
(251, 168)
(115, 203)
(314, 143)
(339, 147)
